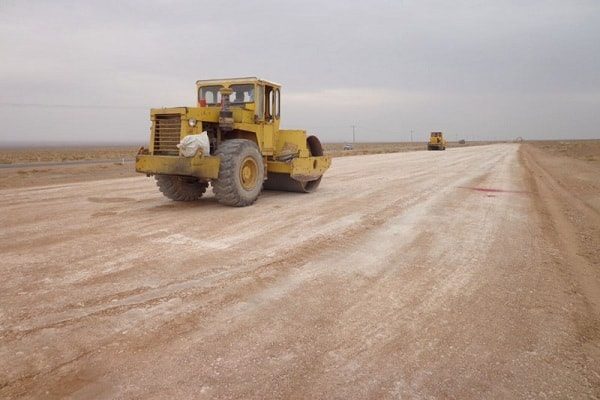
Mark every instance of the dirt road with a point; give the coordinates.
(453, 274)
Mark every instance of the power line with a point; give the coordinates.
(72, 106)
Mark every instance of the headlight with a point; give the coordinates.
(192, 122)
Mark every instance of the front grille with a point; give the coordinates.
(167, 130)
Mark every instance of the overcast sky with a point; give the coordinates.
(88, 71)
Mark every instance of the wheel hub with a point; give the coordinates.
(248, 173)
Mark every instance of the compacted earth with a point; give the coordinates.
(25, 167)
(471, 273)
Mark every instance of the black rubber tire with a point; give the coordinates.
(314, 146)
(180, 188)
(228, 187)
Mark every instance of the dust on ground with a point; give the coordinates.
(61, 174)
(337, 149)
(35, 175)
(64, 154)
(586, 150)
(470, 273)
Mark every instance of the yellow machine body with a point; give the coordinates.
(256, 117)
(436, 141)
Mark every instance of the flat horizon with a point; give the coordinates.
(74, 144)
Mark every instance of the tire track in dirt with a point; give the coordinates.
(378, 285)
(369, 221)
(577, 259)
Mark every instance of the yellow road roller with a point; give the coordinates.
(436, 141)
(232, 140)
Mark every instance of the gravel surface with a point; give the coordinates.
(467, 274)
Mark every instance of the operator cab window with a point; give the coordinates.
(260, 103)
(272, 103)
(276, 103)
(209, 95)
(241, 94)
(268, 103)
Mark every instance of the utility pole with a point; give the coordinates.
(411, 132)
(353, 134)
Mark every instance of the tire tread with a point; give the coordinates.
(177, 189)
(226, 189)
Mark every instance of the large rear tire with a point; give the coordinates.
(181, 188)
(241, 173)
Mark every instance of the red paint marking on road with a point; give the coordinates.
(490, 190)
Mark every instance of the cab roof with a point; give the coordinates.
(229, 81)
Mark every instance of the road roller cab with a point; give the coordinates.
(245, 150)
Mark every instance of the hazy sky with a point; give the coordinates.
(89, 71)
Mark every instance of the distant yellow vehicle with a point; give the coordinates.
(239, 147)
(436, 141)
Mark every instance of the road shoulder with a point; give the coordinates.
(565, 192)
